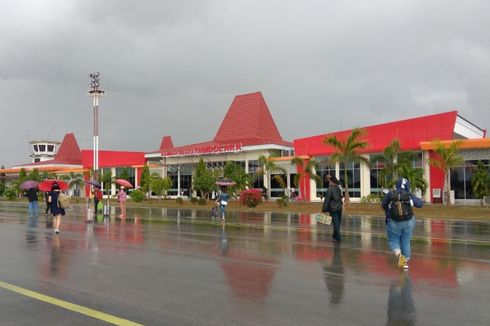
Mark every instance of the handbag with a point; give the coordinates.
(224, 202)
(323, 218)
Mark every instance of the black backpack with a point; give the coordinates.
(400, 207)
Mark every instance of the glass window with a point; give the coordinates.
(353, 171)
(377, 164)
(277, 189)
(42, 148)
(50, 148)
(36, 149)
(323, 169)
(461, 179)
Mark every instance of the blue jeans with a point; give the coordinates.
(222, 208)
(399, 235)
(33, 208)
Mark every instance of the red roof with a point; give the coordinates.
(113, 158)
(248, 122)
(166, 143)
(249, 118)
(69, 152)
(409, 132)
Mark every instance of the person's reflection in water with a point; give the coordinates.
(31, 233)
(334, 276)
(223, 241)
(56, 262)
(401, 309)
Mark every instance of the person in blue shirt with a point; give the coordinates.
(400, 220)
(222, 201)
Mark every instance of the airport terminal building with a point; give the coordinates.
(248, 131)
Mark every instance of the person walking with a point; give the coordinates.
(222, 201)
(31, 195)
(56, 210)
(121, 198)
(48, 206)
(400, 220)
(97, 197)
(333, 205)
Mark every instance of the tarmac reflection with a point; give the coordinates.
(401, 308)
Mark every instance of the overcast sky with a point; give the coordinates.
(174, 67)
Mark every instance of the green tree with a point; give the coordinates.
(146, 180)
(267, 166)
(308, 172)
(389, 174)
(447, 159)
(204, 180)
(346, 151)
(414, 175)
(2, 182)
(235, 172)
(34, 175)
(480, 182)
(106, 179)
(74, 180)
(161, 185)
(124, 174)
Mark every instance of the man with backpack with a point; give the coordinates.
(400, 221)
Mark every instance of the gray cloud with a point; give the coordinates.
(173, 67)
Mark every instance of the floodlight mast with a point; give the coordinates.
(95, 92)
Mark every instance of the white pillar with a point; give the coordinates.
(113, 186)
(425, 162)
(365, 178)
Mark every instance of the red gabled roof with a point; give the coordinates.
(409, 132)
(166, 143)
(249, 118)
(69, 152)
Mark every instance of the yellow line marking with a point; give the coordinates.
(68, 305)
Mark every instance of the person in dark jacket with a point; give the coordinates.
(56, 210)
(333, 205)
(46, 198)
(31, 195)
(398, 205)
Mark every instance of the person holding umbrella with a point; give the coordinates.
(222, 202)
(56, 210)
(31, 195)
(97, 196)
(121, 198)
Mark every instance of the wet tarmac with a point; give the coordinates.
(179, 267)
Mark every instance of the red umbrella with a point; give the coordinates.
(123, 182)
(29, 184)
(46, 185)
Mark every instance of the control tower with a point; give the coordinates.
(43, 150)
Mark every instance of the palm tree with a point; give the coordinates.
(308, 172)
(347, 150)
(389, 174)
(74, 180)
(447, 160)
(267, 167)
(415, 176)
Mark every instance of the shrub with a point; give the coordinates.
(371, 199)
(137, 195)
(179, 201)
(202, 201)
(194, 200)
(10, 193)
(281, 202)
(251, 197)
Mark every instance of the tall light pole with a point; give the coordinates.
(95, 92)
